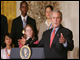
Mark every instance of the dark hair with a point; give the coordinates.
(9, 35)
(49, 6)
(23, 2)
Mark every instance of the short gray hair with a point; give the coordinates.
(56, 11)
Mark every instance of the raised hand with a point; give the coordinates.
(62, 39)
(22, 41)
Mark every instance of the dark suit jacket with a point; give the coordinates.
(57, 50)
(17, 27)
(4, 27)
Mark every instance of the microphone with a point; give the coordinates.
(28, 41)
(33, 41)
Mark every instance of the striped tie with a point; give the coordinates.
(24, 23)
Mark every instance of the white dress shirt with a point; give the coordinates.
(24, 23)
(3, 53)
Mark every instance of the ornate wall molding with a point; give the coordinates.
(37, 10)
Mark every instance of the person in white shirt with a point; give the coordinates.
(46, 24)
(5, 52)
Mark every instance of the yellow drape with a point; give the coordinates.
(8, 8)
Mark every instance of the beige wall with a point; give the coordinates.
(70, 10)
(17, 8)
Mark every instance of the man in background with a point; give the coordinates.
(4, 27)
(20, 22)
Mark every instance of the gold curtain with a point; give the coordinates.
(8, 8)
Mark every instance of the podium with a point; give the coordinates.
(36, 53)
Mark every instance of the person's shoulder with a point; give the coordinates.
(2, 50)
(48, 31)
(30, 18)
(43, 23)
(17, 18)
(2, 16)
(66, 29)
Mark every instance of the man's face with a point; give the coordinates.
(24, 8)
(56, 20)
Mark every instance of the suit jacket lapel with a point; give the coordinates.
(57, 36)
(20, 23)
(28, 22)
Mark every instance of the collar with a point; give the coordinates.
(56, 29)
(47, 23)
(23, 17)
(28, 38)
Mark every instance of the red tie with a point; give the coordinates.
(52, 37)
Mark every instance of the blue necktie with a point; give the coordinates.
(24, 23)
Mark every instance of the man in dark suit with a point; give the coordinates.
(4, 27)
(62, 41)
(20, 22)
